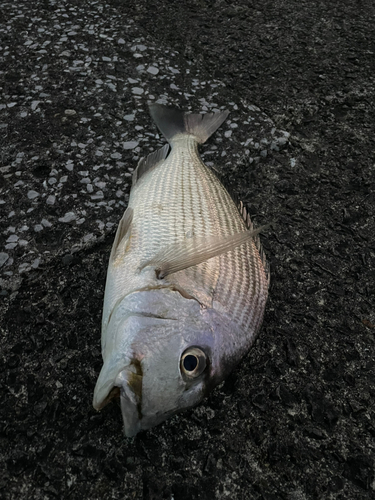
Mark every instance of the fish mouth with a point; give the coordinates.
(129, 381)
(127, 385)
(117, 379)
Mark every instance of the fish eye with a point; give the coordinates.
(193, 362)
(190, 362)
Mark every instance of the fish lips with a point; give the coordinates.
(126, 383)
(105, 388)
(130, 384)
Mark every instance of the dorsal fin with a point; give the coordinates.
(151, 161)
(256, 239)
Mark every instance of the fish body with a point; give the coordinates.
(187, 282)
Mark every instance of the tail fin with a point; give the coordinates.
(171, 121)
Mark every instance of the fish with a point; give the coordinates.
(187, 281)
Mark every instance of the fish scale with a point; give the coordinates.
(193, 197)
(186, 275)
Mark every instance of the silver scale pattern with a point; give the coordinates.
(181, 198)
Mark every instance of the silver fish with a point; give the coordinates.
(187, 281)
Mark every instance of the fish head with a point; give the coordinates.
(161, 355)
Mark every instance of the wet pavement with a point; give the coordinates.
(296, 419)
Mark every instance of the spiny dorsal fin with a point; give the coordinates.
(246, 217)
(171, 122)
(250, 226)
(151, 161)
(193, 251)
(123, 231)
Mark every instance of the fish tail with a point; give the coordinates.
(172, 122)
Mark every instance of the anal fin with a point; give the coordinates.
(151, 161)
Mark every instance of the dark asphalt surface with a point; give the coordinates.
(295, 420)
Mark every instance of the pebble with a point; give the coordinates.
(137, 90)
(24, 267)
(140, 47)
(282, 141)
(88, 237)
(99, 195)
(46, 223)
(3, 258)
(152, 70)
(32, 194)
(12, 238)
(130, 144)
(35, 263)
(10, 246)
(68, 217)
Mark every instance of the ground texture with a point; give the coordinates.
(296, 419)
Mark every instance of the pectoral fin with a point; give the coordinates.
(194, 251)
